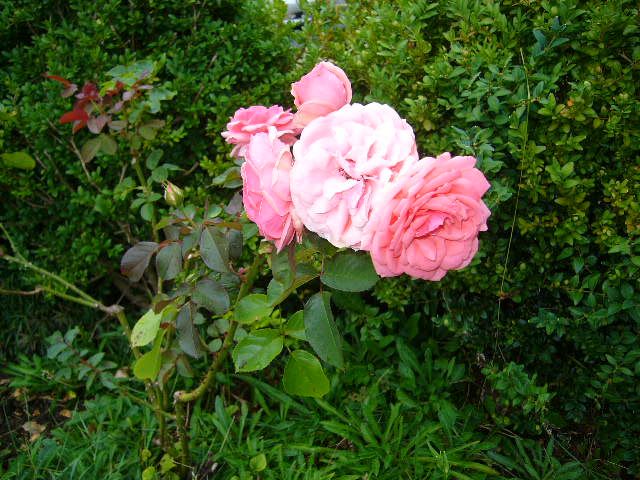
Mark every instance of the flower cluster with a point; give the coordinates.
(352, 174)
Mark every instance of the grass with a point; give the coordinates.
(399, 422)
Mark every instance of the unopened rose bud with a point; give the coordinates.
(173, 194)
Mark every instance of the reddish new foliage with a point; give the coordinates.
(92, 109)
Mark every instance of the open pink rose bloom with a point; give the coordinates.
(427, 220)
(266, 195)
(355, 178)
(341, 160)
(249, 121)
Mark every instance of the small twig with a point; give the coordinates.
(21, 292)
(84, 164)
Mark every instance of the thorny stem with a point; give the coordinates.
(181, 424)
(181, 397)
(145, 185)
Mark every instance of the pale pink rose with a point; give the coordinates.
(426, 221)
(249, 121)
(340, 160)
(266, 194)
(323, 90)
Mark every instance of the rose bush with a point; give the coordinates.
(356, 181)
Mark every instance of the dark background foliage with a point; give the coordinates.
(74, 224)
(544, 94)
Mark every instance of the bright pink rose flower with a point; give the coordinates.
(426, 221)
(249, 121)
(340, 160)
(265, 194)
(323, 90)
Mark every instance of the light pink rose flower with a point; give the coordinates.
(427, 220)
(340, 160)
(249, 121)
(323, 90)
(265, 194)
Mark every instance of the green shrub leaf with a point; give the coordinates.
(214, 249)
(169, 261)
(21, 160)
(349, 272)
(188, 336)
(145, 329)
(303, 375)
(252, 308)
(148, 365)
(257, 350)
(211, 295)
(321, 330)
(295, 326)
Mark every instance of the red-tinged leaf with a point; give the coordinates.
(136, 259)
(96, 124)
(78, 125)
(75, 115)
(90, 91)
(58, 78)
(70, 90)
(117, 107)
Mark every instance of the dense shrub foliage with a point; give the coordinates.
(80, 223)
(538, 337)
(545, 95)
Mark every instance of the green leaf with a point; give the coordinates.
(107, 144)
(234, 238)
(303, 375)
(154, 158)
(258, 463)
(145, 329)
(349, 272)
(157, 95)
(21, 160)
(257, 350)
(167, 463)
(169, 261)
(211, 295)
(214, 249)
(160, 174)
(295, 326)
(188, 336)
(148, 365)
(90, 149)
(147, 132)
(252, 308)
(146, 211)
(321, 330)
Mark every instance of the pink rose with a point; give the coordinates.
(265, 194)
(323, 90)
(249, 121)
(340, 160)
(427, 220)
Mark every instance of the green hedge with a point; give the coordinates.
(545, 95)
(218, 55)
